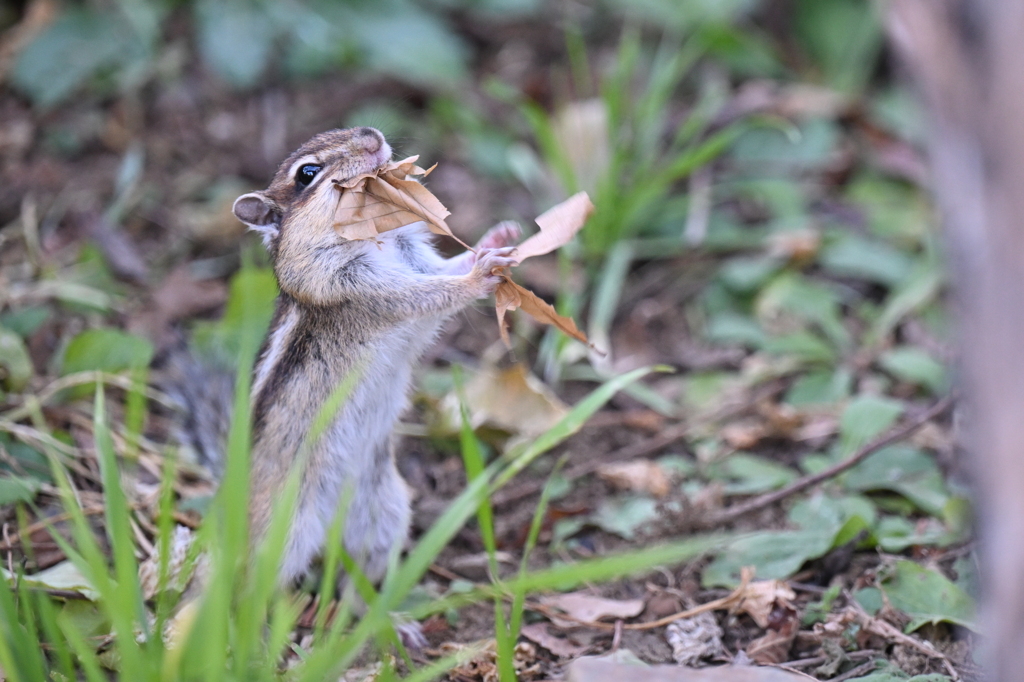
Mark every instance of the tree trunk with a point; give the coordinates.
(967, 59)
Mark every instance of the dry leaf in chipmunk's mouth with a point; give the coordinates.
(372, 203)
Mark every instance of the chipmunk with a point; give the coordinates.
(344, 306)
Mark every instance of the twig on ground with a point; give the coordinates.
(894, 435)
(15, 538)
(818, 660)
(856, 672)
(890, 632)
(727, 602)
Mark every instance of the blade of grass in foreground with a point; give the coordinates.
(601, 569)
(473, 460)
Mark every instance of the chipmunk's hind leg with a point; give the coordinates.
(377, 525)
(377, 521)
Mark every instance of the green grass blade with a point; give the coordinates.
(126, 596)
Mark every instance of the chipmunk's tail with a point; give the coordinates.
(203, 392)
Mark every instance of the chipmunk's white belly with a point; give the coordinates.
(356, 464)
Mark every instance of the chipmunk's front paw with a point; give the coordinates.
(488, 263)
(505, 233)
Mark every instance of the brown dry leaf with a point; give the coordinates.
(377, 202)
(581, 130)
(783, 624)
(795, 245)
(558, 225)
(510, 296)
(559, 646)
(772, 648)
(512, 399)
(588, 608)
(758, 599)
(743, 435)
(640, 475)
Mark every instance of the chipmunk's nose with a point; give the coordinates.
(369, 140)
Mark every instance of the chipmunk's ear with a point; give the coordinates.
(260, 213)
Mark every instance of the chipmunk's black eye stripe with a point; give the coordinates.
(306, 173)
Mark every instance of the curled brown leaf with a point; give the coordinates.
(372, 203)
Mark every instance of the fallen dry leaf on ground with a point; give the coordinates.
(512, 399)
(758, 599)
(373, 203)
(773, 647)
(588, 608)
(640, 475)
(559, 646)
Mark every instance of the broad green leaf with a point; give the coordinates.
(72, 50)
(809, 147)
(26, 321)
(821, 511)
(897, 533)
(915, 365)
(864, 418)
(799, 297)
(920, 288)
(904, 470)
(820, 387)
(247, 315)
(746, 275)
(870, 599)
(109, 350)
(27, 460)
(15, 363)
(235, 39)
(874, 261)
(928, 597)
(627, 517)
(894, 210)
(844, 39)
(746, 474)
(773, 554)
(804, 346)
(86, 617)
(432, 53)
(18, 489)
(62, 576)
(732, 328)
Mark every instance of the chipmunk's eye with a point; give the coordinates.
(306, 173)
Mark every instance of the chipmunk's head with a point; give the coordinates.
(303, 193)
